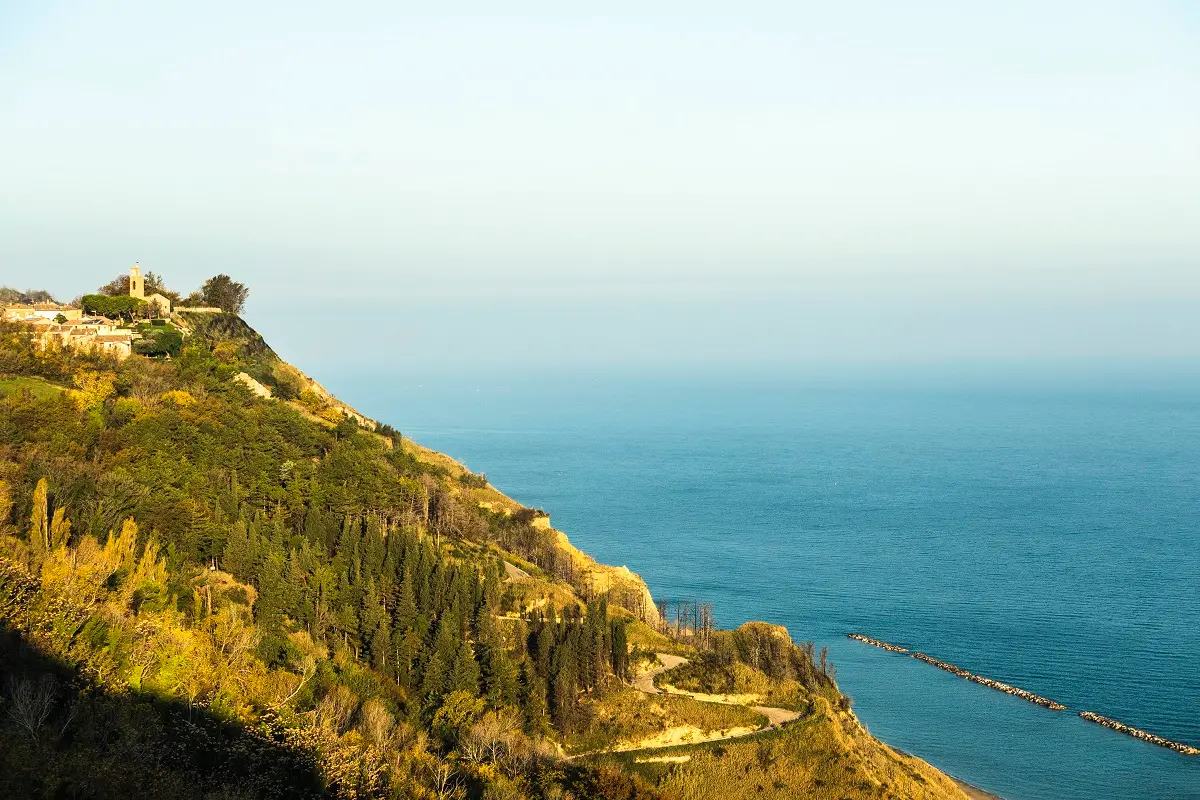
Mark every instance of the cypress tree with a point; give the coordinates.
(620, 650)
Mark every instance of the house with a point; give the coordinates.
(88, 335)
(119, 345)
(36, 311)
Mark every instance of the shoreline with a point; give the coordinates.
(969, 789)
(972, 791)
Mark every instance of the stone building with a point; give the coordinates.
(37, 311)
(137, 288)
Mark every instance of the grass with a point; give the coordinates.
(825, 756)
(736, 679)
(626, 715)
(41, 389)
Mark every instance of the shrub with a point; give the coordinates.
(473, 481)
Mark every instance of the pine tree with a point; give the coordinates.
(441, 661)
(406, 647)
(533, 700)
(236, 557)
(372, 617)
(464, 675)
(405, 613)
(274, 594)
(500, 677)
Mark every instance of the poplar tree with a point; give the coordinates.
(39, 541)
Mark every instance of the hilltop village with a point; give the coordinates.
(124, 318)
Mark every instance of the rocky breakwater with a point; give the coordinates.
(891, 648)
(1138, 733)
(999, 686)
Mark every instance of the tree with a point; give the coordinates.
(464, 674)
(117, 287)
(163, 341)
(114, 307)
(373, 625)
(152, 284)
(39, 532)
(225, 293)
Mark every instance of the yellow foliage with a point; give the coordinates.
(60, 528)
(311, 400)
(94, 388)
(226, 352)
(81, 573)
(178, 397)
(119, 549)
(39, 532)
(6, 501)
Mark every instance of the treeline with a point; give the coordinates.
(10, 296)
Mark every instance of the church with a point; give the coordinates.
(137, 289)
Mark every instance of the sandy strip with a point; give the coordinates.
(974, 792)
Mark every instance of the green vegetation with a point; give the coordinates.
(206, 594)
(224, 293)
(473, 481)
(39, 388)
(622, 718)
(826, 755)
(756, 659)
(10, 296)
(113, 307)
(158, 339)
(170, 536)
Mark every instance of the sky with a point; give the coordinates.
(539, 184)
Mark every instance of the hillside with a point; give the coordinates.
(219, 581)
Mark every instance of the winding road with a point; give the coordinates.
(645, 683)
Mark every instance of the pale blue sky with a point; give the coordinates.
(647, 183)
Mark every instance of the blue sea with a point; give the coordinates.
(1038, 529)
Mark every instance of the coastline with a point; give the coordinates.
(493, 499)
(974, 792)
(969, 789)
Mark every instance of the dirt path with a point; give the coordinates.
(776, 716)
(645, 683)
(515, 573)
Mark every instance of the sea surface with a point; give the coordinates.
(1041, 530)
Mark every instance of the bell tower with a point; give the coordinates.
(137, 284)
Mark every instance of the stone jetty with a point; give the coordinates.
(892, 648)
(1090, 716)
(1036, 699)
(1137, 733)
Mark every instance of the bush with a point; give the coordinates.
(159, 341)
(473, 481)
